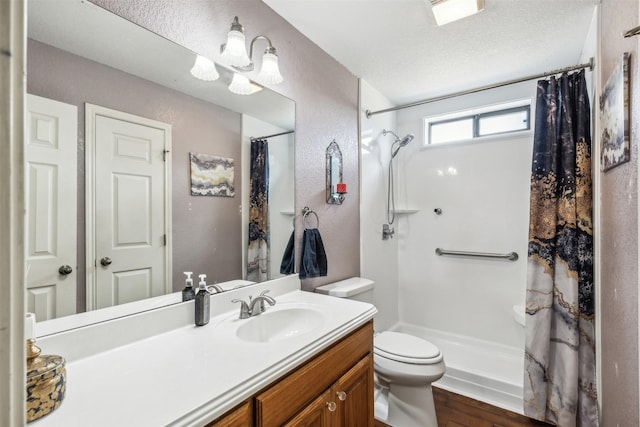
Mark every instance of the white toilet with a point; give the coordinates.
(404, 365)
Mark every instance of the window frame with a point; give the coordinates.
(476, 115)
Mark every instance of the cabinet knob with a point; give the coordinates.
(331, 406)
(341, 395)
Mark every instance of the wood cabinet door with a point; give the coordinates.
(353, 393)
(241, 416)
(316, 414)
(289, 396)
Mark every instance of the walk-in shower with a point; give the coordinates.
(387, 230)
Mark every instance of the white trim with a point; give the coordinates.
(12, 212)
(91, 111)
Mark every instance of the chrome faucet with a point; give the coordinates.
(387, 232)
(255, 306)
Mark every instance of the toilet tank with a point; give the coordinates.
(356, 288)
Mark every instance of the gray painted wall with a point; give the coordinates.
(619, 234)
(326, 96)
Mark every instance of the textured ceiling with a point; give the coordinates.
(396, 47)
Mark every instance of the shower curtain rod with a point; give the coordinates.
(589, 65)
(271, 136)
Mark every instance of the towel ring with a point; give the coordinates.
(305, 212)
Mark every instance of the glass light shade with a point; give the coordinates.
(235, 51)
(204, 69)
(269, 73)
(446, 11)
(241, 85)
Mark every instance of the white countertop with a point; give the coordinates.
(188, 375)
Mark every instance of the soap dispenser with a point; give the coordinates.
(202, 302)
(188, 293)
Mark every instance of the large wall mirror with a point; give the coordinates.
(121, 140)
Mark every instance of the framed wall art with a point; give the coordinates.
(211, 175)
(614, 117)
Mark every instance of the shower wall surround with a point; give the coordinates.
(484, 200)
(483, 191)
(326, 96)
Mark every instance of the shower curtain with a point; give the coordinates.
(258, 250)
(559, 377)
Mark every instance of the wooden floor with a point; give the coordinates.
(454, 410)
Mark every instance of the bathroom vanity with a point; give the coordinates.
(333, 389)
(309, 357)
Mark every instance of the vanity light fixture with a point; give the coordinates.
(204, 69)
(234, 53)
(446, 11)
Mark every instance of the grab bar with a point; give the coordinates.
(511, 256)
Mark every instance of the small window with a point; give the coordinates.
(472, 124)
(451, 130)
(503, 121)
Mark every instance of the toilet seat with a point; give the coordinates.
(406, 348)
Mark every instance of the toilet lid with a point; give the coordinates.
(405, 348)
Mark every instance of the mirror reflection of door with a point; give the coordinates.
(128, 242)
(50, 151)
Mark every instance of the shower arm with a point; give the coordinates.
(385, 132)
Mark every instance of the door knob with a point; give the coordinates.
(65, 269)
(106, 261)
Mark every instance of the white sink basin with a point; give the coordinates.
(277, 324)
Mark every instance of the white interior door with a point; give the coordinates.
(51, 200)
(131, 200)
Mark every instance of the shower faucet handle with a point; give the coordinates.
(387, 232)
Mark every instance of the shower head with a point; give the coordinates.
(407, 139)
(401, 143)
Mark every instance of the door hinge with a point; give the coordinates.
(164, 239)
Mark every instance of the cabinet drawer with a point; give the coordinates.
(287, 397)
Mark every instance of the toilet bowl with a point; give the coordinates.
(404, 366)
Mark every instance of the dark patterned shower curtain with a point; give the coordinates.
(559, 377)
(258, 251)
